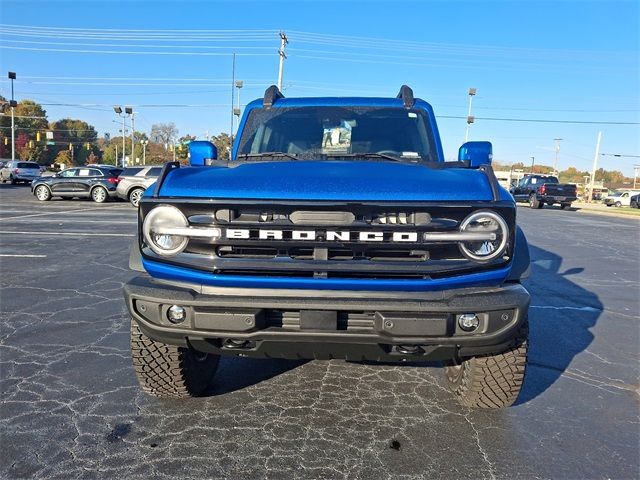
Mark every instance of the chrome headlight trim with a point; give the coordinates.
(159, 221)
(502, 234)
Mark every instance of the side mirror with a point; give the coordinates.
(476, 153)
(201, 153)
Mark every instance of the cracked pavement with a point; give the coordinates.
(70, 406)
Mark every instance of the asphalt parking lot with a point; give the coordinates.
(70, 406)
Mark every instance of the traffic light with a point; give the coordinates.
(6, 140)
(88, 146)
(71, 146)
(30, 143)
(37, 136)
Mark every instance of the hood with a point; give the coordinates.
(329, 180)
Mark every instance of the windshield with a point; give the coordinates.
(335, 132)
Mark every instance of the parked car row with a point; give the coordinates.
(97, 182)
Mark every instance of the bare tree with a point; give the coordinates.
(164, 133)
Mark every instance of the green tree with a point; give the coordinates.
(223, 144)
(77, 133)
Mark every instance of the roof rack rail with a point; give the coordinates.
(271, 95)
(406, 94)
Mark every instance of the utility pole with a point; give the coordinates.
(470, 118)
(533, 160)
(555, 165)
(13, 104)
(283, 43)
(636, 169)
(233, 84)
(595, 166)
(144, 151)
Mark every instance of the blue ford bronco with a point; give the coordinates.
(336, 230)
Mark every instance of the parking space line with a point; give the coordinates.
(48, 220)
(54, 213)
(22, 256)
(72, 234)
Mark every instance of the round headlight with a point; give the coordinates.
(493, 228)
(158, 221)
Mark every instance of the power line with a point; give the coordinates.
(128, 52)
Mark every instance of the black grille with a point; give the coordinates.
(322, 258)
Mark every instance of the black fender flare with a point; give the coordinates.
(521, 266)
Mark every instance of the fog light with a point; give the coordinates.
(468, 322)
(176, 314)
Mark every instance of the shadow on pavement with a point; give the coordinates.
(237, 373)
(561, 316)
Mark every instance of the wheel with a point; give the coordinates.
(43, 193)
(534, 202)
(564, 205)
(634, 205)
(135, 195)
(13, 180)
(169, 371)
(618, 204)
(490, 381)
(99, 195)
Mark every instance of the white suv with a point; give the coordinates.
(135, 180)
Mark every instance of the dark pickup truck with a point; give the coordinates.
(541, 189)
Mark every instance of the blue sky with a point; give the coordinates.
(553, 61)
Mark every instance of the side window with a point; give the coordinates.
(154, 172)
(95, 172)
(71, 172)
(534, 180)
(625, 194)
(84, 172)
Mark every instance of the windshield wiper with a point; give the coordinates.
(265, 155)
(365, 155)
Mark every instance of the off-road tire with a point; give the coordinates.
(490, 381)
(534, 202)
(170, 371)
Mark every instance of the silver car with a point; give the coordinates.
(134, 181)
(16, 171)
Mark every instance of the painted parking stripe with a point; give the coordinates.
(22, 256)
(49, 220)
(69, 234)
(52, 213)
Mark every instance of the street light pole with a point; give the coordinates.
(555, 165)
(118, 111)
(470, 119)
(13, 104)
(236, 111)
(533, 160)
(129, 111)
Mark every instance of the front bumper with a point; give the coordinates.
(325, 324)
